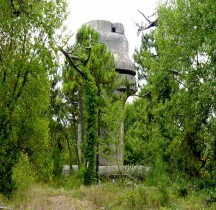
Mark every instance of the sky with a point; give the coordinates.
(123, 11)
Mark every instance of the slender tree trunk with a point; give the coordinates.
(79, 142)
(99, 136)
(70, 153)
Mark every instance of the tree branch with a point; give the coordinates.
(151, 23)
(71, 62)
(143, 96)
(144, 16)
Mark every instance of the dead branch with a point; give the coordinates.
(150, 25)
(144, 16)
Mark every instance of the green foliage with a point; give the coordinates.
(193, 102)
(26, 60)
(108, 196)
(175, 114)
(94, 74)
(24, 175)
(91, 136)
(135, 143)
(61, 133)
(67, 182)
(112, 117)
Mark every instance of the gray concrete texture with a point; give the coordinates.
(113, 35)
(140, 171)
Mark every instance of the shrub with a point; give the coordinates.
(23, 173)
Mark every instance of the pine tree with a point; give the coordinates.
(93, 72)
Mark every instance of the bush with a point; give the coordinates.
(67, 182)
(23, 174)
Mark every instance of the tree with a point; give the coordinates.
(94, 66)
(60, 130)
(179, 101)
(26, 62)
(193, 61)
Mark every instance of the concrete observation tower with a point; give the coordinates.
(112, 34)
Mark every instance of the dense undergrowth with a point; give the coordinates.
(115, 194)
(157, 190)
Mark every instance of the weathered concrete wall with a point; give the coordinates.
(113, 34)
(140, 171)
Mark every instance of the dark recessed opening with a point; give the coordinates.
(123, 71)
(113, 29)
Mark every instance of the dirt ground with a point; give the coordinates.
(69, 203)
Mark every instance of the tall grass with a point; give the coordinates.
(68, 193)
(113, 196)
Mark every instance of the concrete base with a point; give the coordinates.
(137, 171)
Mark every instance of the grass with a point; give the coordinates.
(157, 191)
(68, 193)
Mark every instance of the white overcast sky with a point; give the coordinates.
(123, 11)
